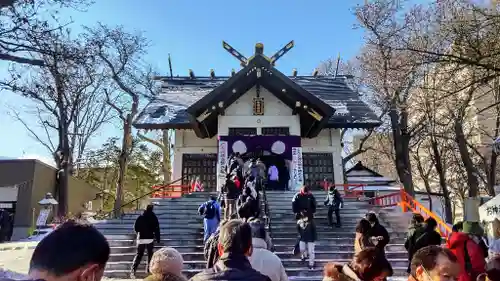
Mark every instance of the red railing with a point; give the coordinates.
(407, 202)
(351, 190)
(172, 191)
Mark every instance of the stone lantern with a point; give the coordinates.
(47, 205)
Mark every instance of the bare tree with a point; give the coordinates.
(457, 32)
(391, 74)
(165, 144)
(23, 21)
(67, 96)
(122, 53)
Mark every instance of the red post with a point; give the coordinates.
(403, 200)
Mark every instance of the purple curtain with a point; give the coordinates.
(279, 145)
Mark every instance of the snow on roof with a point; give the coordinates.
(169, 107)
(358, 179)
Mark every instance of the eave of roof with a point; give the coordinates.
(178, 93)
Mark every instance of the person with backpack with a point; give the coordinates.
(469, 253)
(334, 202)
(210, 211)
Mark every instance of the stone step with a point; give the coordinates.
(167, 242)
(162, 221)
(337, 234)
(328, 240)
(163, 236)
(165, 232)
(286, 255)
(131, 247)
(169, 215)
(164, 227)
(288, 263)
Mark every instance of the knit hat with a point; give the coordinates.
(166, 260)
(473, 227)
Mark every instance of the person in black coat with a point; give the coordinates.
(231, 193)
(235, 246)
(147, 228)
(304, 203)
(429, 236)
(378, 231)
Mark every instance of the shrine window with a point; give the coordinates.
(242, 131)
(200, 165)
(317, 167)
(275, 131)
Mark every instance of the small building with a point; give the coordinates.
(373, 183)
(291, 121)
(24, 182)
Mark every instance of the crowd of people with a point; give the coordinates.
(238, 247)
(79, 252)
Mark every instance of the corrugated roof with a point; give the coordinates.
(168, 109)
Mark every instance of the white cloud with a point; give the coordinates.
(47, 160)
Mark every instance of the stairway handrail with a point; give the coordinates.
(267, 212)
(406, 201)
(142, 196)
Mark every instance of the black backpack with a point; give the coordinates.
(209, 210)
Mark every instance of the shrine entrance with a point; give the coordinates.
(269, 159)
(280, 151)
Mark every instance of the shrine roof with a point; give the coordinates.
(168, 109)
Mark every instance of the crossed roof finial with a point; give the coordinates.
(259, 51)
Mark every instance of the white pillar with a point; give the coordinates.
(471, 210)
(338, 171)
(177, 165)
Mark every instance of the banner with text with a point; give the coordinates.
(297, 167)
(221, 164)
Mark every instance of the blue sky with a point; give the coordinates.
(192, 32)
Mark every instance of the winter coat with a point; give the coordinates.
(333, 198)
(266, 262)
(469, 254)
(427, 238)
(210, 250)
(304, 203)
(414, 232)
(248, 207)
(230, 190)
(147, 226)
(339, 272)
(165, 277)
(201, 209)
(378, 230)
(307, 230)
(361, 242)
(229, 267)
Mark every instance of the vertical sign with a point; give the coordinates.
(297, 170)
(221, 164)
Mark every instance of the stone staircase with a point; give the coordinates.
(334, 244)
(182, 228)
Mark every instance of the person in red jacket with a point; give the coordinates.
(468, 252)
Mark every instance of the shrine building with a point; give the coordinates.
(293, 122)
